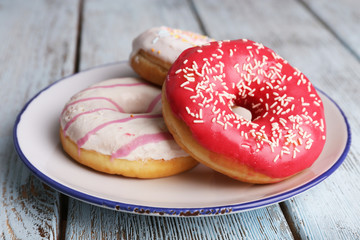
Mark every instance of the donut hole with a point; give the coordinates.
(243, 112)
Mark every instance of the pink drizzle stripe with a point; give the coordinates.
(84, 139)
(153, 103)
(116, 85)
(94, 98)
(140, 141)
(83, 113)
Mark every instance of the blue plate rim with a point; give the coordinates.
(164, 211)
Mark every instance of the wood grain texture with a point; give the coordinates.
(107, 32)
(331, 209)
(342, 17)
(109, 26)
(90, 222)
(37, 47)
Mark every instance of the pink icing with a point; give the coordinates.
(81, 114)
(115, 85)
(140, 141)
(154, 103)
(91, 99)
(84, 139)
(287, 130)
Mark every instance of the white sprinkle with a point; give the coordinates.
(198, 121)
(272, 147)
(185, 61)
(184, 83)
(190, 89)
(273, 105)
(190, 79)
(322, 125)
(286, 112)
(294, 152)
(309, 88)
(270, 85)
(219, 122)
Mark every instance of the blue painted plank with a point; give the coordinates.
(37, 47)
(86, 221)
(342, 18)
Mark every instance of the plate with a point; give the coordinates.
(200, 191)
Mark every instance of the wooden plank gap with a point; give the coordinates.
(64, 206)
(78, 36)
(197, 17)
(287, 214)
(330, 29)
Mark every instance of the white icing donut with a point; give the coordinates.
(155, 50)
(121, 119)
(167, 43)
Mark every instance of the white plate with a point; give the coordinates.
(200, 191)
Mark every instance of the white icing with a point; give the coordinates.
(167, 43)
(134, 101)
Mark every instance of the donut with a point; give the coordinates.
(154, 51)
(284, 132)
(116, 127)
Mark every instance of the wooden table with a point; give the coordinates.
(42, 41)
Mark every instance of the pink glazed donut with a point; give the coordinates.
(116, 127)
(207, 85)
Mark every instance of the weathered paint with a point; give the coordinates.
(37, 47)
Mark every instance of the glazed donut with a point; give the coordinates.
(154, 51)
(116, 127)
(286, 131)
